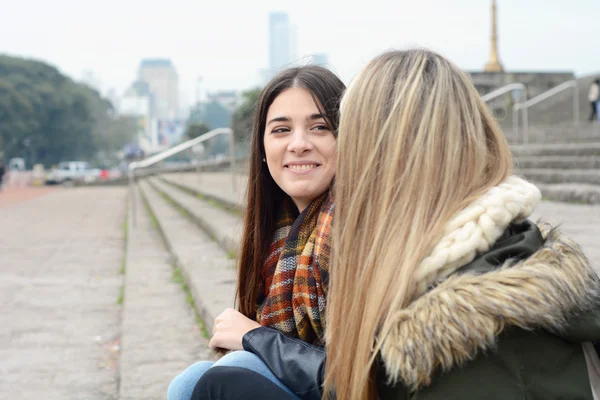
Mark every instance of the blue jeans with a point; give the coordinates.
(182, 386)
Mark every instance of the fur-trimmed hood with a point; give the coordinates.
(464, 313)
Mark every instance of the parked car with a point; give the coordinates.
(70, 172)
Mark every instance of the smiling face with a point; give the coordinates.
(300, 147)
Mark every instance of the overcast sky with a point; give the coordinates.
(226, 42)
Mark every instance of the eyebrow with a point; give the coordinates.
(311, 117)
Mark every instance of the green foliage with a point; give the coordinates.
(112, 135)
(241, 122)
(125, 228)
(215, 115)
(121, 297)
(211, 146)
(177, 277)
(47, 117)
(196, 129)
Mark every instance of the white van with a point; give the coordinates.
(69, 172)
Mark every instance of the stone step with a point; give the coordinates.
(571, 193)
(208, 271)
(557, 149)
(565, 192)
(563, 132)
(559, 162)
(221, 187)
(220, 223)
(160, 336)
(567, 135)
(552, 176)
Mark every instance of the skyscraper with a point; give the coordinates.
(163, 83)
(321, 59)
(280, 37)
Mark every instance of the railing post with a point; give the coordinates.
(199, 170)
(524, 98)
(526, 124)
(506, 89)
(132, 194)
(576, 105)
(516, 120)
(232, 160)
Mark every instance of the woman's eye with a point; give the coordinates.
(321, 128)
(280, 130)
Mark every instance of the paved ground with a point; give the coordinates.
(13, 195)
(61, 251)
(579, 222)
(60, 256)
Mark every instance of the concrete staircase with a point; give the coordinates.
(563, 172)
(178, 276)
(200, 226)
(188, 226)
(160, 335)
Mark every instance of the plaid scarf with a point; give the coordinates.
(296, 271)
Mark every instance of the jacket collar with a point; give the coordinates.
(476, 228)
(530, 277)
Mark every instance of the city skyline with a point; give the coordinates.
(281, 41)
(231, 43)
(163, 83)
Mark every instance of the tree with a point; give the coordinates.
(196, 129)
(216, 115)
(112, 135)
(243, 116)
(45, 116)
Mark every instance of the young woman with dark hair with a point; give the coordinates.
(285, 249)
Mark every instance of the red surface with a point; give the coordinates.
(14, 195)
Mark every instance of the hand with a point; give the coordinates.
(229, 329)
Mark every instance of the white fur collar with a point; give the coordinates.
(474, 229)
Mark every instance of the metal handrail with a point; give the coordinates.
(544, 96)
(502, 91)
(155, 159)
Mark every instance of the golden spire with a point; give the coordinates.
(494, 64)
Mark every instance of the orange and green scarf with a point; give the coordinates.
(296, 271)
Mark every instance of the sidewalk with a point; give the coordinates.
(60, 256)
(12, 195)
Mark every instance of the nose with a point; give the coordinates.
(300, 142)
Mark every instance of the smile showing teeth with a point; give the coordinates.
(302, 167)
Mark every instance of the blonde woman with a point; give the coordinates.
(440, 286)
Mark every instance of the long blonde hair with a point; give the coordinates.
(416, 144)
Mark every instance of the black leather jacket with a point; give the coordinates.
(301, 366)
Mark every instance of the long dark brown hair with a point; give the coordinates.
(264, 197)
